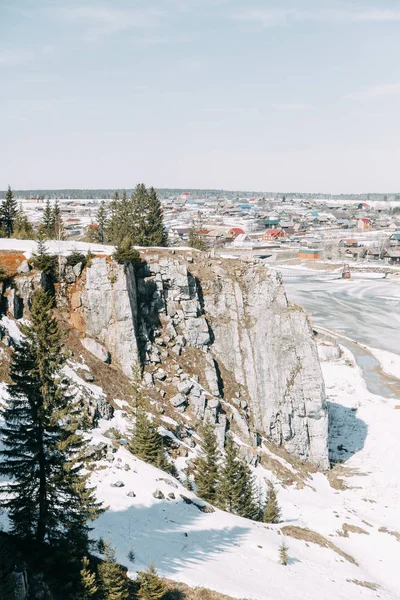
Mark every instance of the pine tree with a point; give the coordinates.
(139, 204)
(283, 554)
(47, 497)
(146, 443)
(23, 229)
(235, 485)
(46, 228)
(154, 223)
(57, 225)
(101, 222)
(42, 260)
(206, 474)
(88, 583)
(8, 213)
(151, 585)
(112, 583)
(272, 512)
(124, 253)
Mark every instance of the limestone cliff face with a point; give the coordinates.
(267, 345)
(216, 337)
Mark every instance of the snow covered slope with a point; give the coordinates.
(238, 557)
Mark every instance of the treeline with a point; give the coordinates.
(138, 217)
(229, 483)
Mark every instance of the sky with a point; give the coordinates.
(268, 95)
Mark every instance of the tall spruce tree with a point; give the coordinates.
(8, 213)
(57, 224)
(235, 486)
(154, 222)
(272, 511)
(206, 473)
(112, 583)
(139, 203)
(101, 222)
(151, 585)
(46, 494)
(46, 228)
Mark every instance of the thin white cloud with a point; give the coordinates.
(14, 58)
(375, 91)
(106, 20)
(271, 17)
(291, 106)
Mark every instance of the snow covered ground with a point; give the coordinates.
(238, 557)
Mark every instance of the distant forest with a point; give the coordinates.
(76, 194)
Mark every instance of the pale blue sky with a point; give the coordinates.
(294, 95)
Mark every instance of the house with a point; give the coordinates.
(355, 253)
(272, 235)
(234, 232)
(394, 239)
(373, 253)
(348, 243)
(309, 253)
(364, 224)
(392, 256)
(362, 206)
(271, 222)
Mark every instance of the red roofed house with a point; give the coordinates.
(364, 224)
(273, 234)
(234, 232)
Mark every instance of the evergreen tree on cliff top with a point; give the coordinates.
(46, 495)
(8, 213)
(154, 221)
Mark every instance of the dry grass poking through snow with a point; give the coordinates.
(307, 535)
(348, 528)
(366, 584)
(396, 534)
(181, 591)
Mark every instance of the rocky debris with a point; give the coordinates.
(178, 400)
(77, 269)
(131, 494)
(198, 404)
(117, 484)
(97, 349)
(160, 374)
(96, 452)
(197, 332)
(328, 351)
(184, 387)
(169, 482)
(202, 506)
(171, 496)
(211, 376)
(212, 408)
(148, 379)
(86, 376)
(158, 494)
(104, 410)
(24, 267)
(69, 275)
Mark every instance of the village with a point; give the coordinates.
(275, 229)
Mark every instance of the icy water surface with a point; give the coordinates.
(366, 310)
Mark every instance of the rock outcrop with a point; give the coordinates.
(210, 333)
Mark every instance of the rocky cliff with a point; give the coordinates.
(217, 338)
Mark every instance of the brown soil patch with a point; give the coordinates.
(307, 535)
(348, 528)
(11, 261)
(366, 584)
(395, 534)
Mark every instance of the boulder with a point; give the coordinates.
(117, 484)
(178, 400)
(158, 494)
(97, 349)
(24, 267)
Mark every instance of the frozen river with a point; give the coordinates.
(365, 309)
